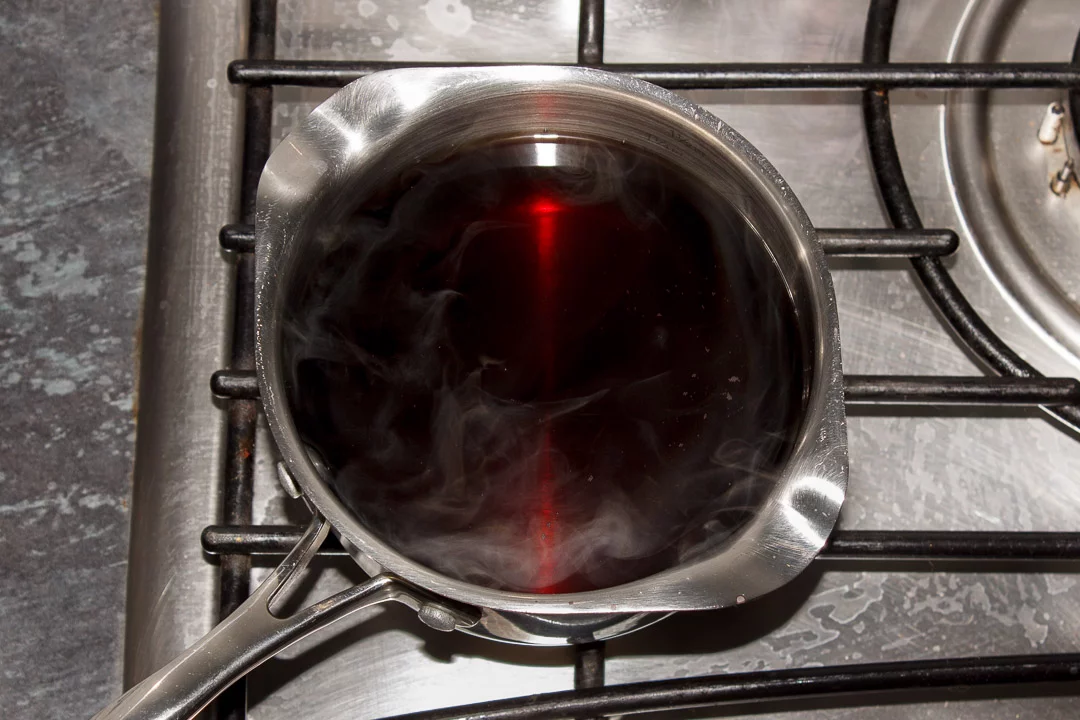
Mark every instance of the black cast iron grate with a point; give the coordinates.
(1015, 384)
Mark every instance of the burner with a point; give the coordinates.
(1027, 235)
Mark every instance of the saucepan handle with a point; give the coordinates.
(253, 634)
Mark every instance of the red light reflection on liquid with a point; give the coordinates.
(543, 212)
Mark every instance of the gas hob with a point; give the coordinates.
(973, 163)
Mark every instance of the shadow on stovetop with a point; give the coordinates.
(683, 633)
(712, 631)
(686, 633)
(391, 617)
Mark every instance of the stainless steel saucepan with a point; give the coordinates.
(372, 130)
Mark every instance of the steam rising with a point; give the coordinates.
(545, 423)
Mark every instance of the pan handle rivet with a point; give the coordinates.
(437, 617)
(288, 484)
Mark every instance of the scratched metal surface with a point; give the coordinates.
(1001, 472)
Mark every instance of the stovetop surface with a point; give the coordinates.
(959, 471)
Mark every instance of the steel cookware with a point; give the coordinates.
(374, 128)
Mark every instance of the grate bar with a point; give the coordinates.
(859, 389)
(237, 237)
(713, 690)
(243, 414)
(591, 33)
(270, 540)
(842, 242)
(589, 665)
(863, 545)
(932, 390)
(700, 76)
(235, 384)
(849, 242)
(952, 545)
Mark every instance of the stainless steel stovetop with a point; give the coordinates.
(973, 163)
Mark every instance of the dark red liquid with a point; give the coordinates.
(546, 370)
